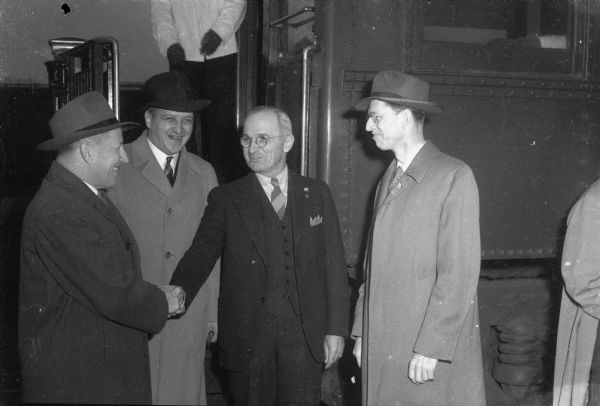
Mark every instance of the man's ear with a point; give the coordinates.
(148, 118)
(86, 151)
(288, 143)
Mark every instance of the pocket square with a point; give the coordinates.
(315, 221)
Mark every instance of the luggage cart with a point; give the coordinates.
(81, 66)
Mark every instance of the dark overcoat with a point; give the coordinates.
(164, 220)
(422, 272)
(84, 310)
(232, 228)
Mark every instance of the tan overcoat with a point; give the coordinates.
(419, 296)
(164, 220)
(580, 306)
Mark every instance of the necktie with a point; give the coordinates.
(277, 198)
(398, 172)
(169, 171)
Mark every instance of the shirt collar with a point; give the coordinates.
(160, 156)
(92, 188)
(413, 153)
(282, 178)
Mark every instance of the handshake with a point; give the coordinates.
(175, 298)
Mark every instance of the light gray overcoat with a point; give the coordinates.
(421, 274)
(580, 306)
(164, 220)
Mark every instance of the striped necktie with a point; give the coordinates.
(398, 172)
(277, 198)
(169, 171)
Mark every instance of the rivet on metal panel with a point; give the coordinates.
(492, 92)
(450, 90)
(519, 251)
(510, 93)
(503, 83)
(471, 91)
(491, 252)
(530, 251)
(350, 86)
(523, 83)
(532, 93)
(500, 252)
(483, 253)
(510, 252)
(351, 76)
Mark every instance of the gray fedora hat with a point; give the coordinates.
(82, 117)
(402, 89)
(171, 91)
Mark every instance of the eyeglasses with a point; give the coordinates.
(376, 118)
(261, 140)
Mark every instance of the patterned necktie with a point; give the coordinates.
(169, 171)
(277, 198)
(398, 172)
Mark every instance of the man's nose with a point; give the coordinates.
(370, 125)
(253, 146)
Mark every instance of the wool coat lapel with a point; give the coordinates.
(144, 160)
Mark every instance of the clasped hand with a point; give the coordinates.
(175, 298)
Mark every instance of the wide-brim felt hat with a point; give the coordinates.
(171, 91)
(401, 89)
(84, 116)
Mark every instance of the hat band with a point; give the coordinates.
(100, 124)
(390, 95)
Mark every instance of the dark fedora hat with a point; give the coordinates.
(171, 91)
(402, 89)
(82, 117)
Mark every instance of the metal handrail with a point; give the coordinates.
(305, 9)
(306, 52)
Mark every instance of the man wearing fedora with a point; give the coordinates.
(416, 321)
(161, 192)
(84, 310)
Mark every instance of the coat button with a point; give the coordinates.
(170, 210)
(168, 254)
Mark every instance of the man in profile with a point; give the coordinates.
(84, 310)
(416, 321)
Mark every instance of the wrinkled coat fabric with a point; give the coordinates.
(422, 270)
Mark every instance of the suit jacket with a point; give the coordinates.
(232, 228)
(580, 307)
(84, 311)
(422, 272)
(164, 220)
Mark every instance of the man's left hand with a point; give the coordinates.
(210, 42)
(334, 348)
(420, 368)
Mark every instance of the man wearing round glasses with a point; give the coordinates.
(416, 321)
(284, 301)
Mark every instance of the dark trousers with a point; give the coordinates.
(215, 80)
(282, 371)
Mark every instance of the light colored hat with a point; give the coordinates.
(82, 117)
(402, 89)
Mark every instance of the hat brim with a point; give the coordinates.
(427, 107)
(60, 141)
(182, 106)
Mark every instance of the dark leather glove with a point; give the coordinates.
(175, 56)
(210, 42)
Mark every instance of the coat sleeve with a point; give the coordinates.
(202, 255)
(581, 254)
(92, 266)
(230, 18)
(338, 294)
(458, 264)
(163, 29)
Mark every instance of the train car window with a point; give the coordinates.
(529, 36)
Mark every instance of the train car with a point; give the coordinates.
(519, 86)
(518, 83)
